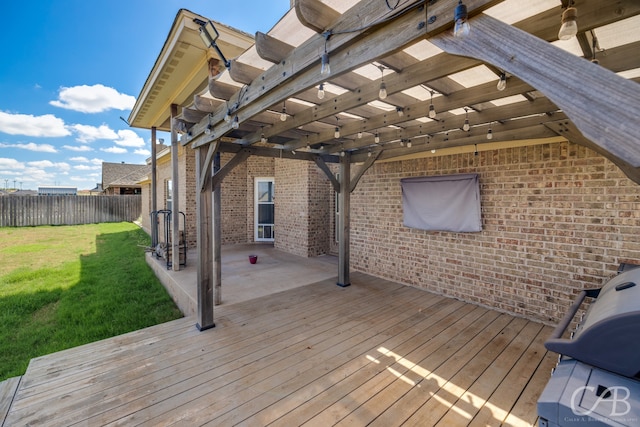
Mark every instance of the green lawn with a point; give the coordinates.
(61, 287)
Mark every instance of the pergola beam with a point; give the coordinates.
(565, 79)
(276, 85)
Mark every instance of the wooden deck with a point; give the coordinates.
(375, 353)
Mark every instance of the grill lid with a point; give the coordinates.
(609, 337)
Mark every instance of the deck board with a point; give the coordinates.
(375, 353)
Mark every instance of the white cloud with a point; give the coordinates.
(10, 164)
(128, 138)
(87, 133)
(41, 148)
(114, 150)
(47, 125)
(42, 164)
(79, 159)
(87, 168)
(143, 152)
(80, 148)
(93, 99)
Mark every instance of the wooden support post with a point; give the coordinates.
(175, 194)
(205, 244)
(154, 187)
(217, 234)
(344, 199)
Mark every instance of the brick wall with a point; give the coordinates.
(556, 218)
(234, 203)
(302, 208)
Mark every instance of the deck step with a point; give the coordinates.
(8, 390)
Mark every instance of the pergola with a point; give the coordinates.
(509, 80)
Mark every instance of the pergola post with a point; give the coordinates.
(205, 236)
(175, 205)
(217, 234)
(344, 238)
(154, 186)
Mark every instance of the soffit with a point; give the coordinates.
(181, 70)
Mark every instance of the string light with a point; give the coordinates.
(369, 153)
(321, 91)
(236, 123)
(461, 27)
(263, 138)
(336, 131)
(400, 111)
(569, 27)
(325, 67)
(283, 115)
(432, 108)
(489, 132)
(409, 143)
(502, 83)
(382, 93)
(207, 130)
(466, 126)
(227, 117)
(376, 137)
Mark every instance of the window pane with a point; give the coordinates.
(266, 214)
(265, 191)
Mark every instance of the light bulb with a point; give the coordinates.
(236, 123)
(400, 111)
(489, 134)
(283, 115)
(402, 143)
(382, 94)
(207, 130)
(360, 135)
(433, 151)
(376, 138)
(461, 27)
(432, 111)
(263, 138)
(569, 26)
(321, 91)
(502, 83)
(325, 68)
(342, 154)
(336, 132)
(227, 117)
(409, 143)
(465, 126)
(369, 153)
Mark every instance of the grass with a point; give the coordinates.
(61, 287)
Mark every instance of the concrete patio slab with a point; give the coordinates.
(274, 271)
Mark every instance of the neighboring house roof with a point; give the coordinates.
(24, 193)
(122, 174)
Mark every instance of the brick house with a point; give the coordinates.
(559, 212)
(122, 178)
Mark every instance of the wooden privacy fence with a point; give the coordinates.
(24, 211)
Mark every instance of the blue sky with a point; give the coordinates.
(71, 68)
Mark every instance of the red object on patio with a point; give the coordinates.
(253, 259)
